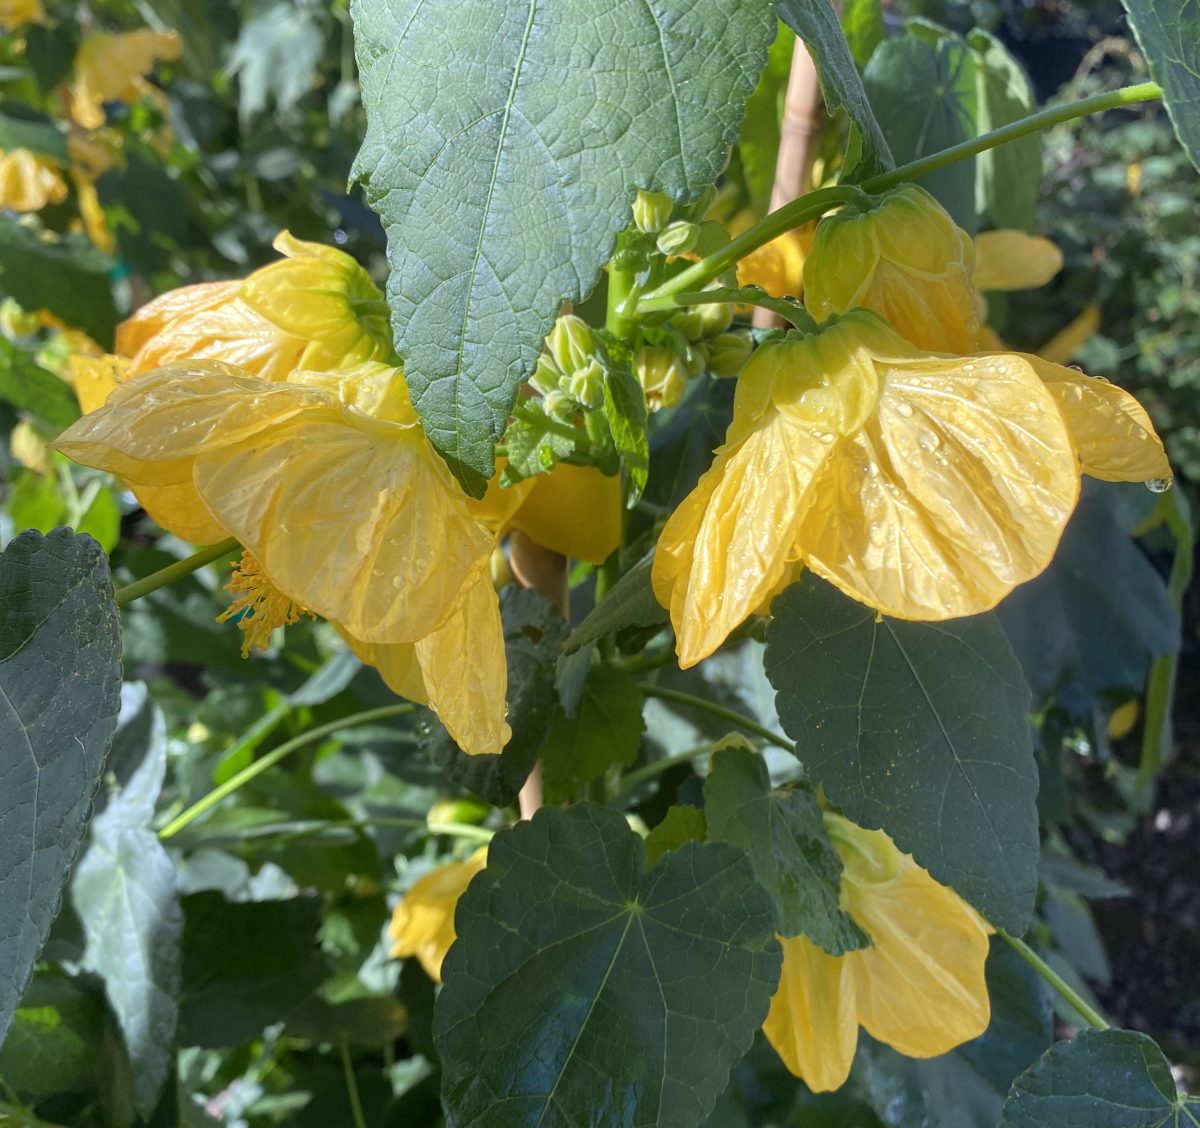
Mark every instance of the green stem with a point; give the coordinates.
(351, 1085)
(252, 771)
(644, 663)
(316, 826)
(630, 781)
(1014, 131)
(706, 706)
(620, 286)
(173, 572)
(1087, 1012)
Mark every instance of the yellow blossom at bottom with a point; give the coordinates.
(423, 922)
(919, 987)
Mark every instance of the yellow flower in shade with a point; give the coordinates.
(919, 987)
(92, 155)
(423, 922)
(907, 260)
(1008, 260)
(573, 510)
(16, 12)
(778, 266)
(315, 310)
(343, 507)
(1071, 337)
(925, 486)
(29, 181)
(112, 68)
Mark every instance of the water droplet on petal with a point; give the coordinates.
(1159, 485)
(904, 409)
(825, 437)
(927, 440)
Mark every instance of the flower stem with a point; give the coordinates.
(252, 771)
(351, 1085)
(630, 781)
(1087, 1012)
(173, 572)
(706, 706)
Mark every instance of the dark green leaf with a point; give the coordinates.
(1101, 1079)
(918, 728)
(629, 602)
(862, 21)
(55, 1034)
(65, 275)
(124, 893)
(60, 680)
(679, 825)
(51, 51)
(29, 387)
(502, 192)
(816, 24)
(606, 730)
(245, 966)
(533, 444)
(785, 838)
(38, 136)
(922, 93)
(595, 985)
(625, 410)
(365, 1020)
(533, 633)
(1168, 32)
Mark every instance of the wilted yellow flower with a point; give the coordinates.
(29, 181)
(344, 507)
(314, 310)
(925, 486)
(16, 12)
(111, 68)
(778, 266)
(423, 922)
(919, 987)
(573, 510)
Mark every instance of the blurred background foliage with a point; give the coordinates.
(289, 1009)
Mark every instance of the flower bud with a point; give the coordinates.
(571, 343)
(546, 375)
(905, 259)
(678, 238)
(587, 385)
(716, 318)
(728, 353)
(15, 322)
(689, 322)
(558, 405)
(652, 212)
(662, 375)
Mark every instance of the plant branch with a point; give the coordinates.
(351, 1085)
(173, 572)
(706, 706)
(1064, 989)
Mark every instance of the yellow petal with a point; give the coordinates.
(94, 378)
(15, 12)
(95, 222)
(778, 266)
(497, 507)
(812, 1023)
(955, 492)
(574, 510)
(1112, 433)
(108, 67)
(1012, 260)
(1071, 337)
(30, 449)
(423, 922)
(920, 986)
(29, 181)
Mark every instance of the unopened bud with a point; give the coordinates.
(651, 212)
(558, 405)
(546, 376)
(587, 385)
(689, 322)
(716, 318)
(662, 375)
(728, 353)
(571, 343)
(15, 322)
(678, 238)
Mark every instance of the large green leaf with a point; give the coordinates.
(583, 989)
(1168, 32)
(124, 893)
(505, 141)
(629, 602)
(918, 728)
(785, 838)
(60, 680)
(1101, 1079)
(41, 136)
(29, 387)
(815, 22)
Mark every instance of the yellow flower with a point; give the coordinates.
(29, 181)
(907, 260)
(314, 310)
(423, 922)
(94, 378)
(573, 510)
(919, 987)
(1070, 338)
(92, 155)
(16, 12)
(925, 486)
(344, 507)
(1012, 260)
(778, 266)
(111, 68)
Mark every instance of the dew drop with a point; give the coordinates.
(927, 440)
(872, 469)
(1159, 485)
(904, 409)
(825, 437)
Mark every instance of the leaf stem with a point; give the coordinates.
(1087, 1012)
(630, 781)
(706, 706)
(302, 828)
(173, 572)
(351, 1084)
(252, 771)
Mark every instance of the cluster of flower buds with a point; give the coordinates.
(570, 373)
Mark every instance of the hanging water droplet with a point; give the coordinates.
(904, 409)
(825, 437)
(1159, 485)
(872, 469)
(927, 440)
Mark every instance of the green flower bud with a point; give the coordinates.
(587, 385)
(678, 238)
(558, 406)
(662, 375)
(716, 318)
(728, 353)
(695, 359)
(651, 212)
(571, 343)
(546, 376)
(689, 322)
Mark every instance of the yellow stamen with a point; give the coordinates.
(258, 605)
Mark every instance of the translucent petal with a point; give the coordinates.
(29, 181)
(957, 490)
(727, 547)
(812, 1023)
(94, 378)
(162, 313)
(423, 922)
(574, 510)
(397, 665)
(497, 507)
(1012, 260)
(1112, 433)
(182, 511)
(920, 986)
